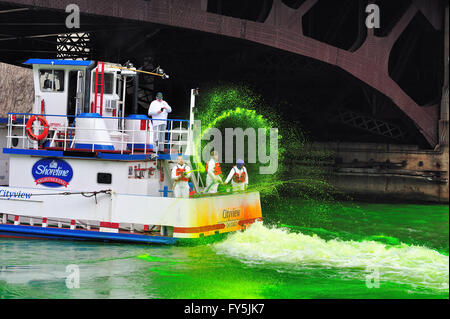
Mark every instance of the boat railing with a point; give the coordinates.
(101, 134)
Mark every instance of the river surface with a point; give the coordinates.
(349, 250)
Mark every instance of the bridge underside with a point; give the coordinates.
(318, 63)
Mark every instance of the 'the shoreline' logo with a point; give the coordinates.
(52, 173)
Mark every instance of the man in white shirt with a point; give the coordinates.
(180, 175)
(213, 171)
(238, 176)
(159, 110)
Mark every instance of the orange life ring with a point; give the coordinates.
(44, 123)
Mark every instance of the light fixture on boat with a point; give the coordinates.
(161, 72)
(128, 65)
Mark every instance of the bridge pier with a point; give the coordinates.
(402, 173)
(443, 145)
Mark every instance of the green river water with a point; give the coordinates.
(339, 251)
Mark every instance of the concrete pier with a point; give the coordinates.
(389, 172)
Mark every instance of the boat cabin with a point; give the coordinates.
(79, 118)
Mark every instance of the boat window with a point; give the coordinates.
(108, 83)
(104, 178)
(118, 87)
(51, 80)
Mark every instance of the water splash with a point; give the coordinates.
(232, 106)
(417, 266)
(389, 240)
(237, 117)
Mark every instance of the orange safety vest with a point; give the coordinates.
(217, 169)
(182, 170)
(239, 178)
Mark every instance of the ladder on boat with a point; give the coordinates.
(101, 85)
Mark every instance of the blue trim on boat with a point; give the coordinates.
(138, 117)
(170, 156)
(58, 62)
(139, 146)
(69, 234)
(97, 147)
(100, 155)
(89, 115)
(4, 120)
(32, 152)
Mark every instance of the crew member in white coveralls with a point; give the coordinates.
(213, 170)
(159, 110)
(181, 174)
(238, 176)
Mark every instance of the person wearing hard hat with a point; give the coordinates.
(238, 176)
(213, 170)
(159, 110)
(180, 175)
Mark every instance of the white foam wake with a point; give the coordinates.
(415, 265)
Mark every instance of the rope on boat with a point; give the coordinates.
(85, 194)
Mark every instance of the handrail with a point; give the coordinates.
(125, 140)
(103, 117)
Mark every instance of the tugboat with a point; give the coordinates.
(78, 169)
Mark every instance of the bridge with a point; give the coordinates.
(371, 56)
(315, 59)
